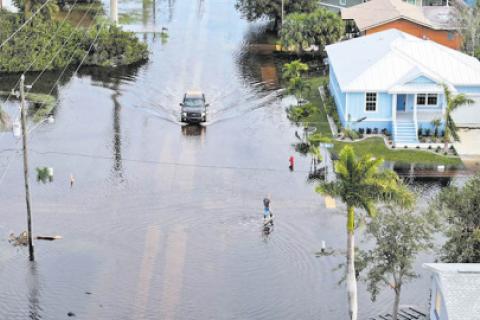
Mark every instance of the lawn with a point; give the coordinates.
(318, 119)
(374, 146)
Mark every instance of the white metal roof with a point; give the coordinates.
(460, 287)
(383, 60)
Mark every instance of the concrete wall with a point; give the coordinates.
(446, 38)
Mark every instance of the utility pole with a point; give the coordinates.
(283, 5)
(114, 11)
(25, 165)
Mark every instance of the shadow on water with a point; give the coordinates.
(194, 130)
(34, 309)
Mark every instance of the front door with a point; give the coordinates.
(401, 102)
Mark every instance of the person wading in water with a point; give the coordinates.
(267, 214)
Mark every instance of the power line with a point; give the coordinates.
(83, 59)
(64, 43)
(24, 24)
(164, 163)
(38, 55)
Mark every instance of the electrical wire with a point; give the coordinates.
(83, 59)
(64, 43)
(164, 163)
(24, 24)
(38, 55)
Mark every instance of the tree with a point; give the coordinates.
(325, 27)
(463, 229)
(399, 236)
(294, 32)
(319, 28)
(292, 73)
(360, 184)
(272, 9)
(30, 6)
(468, 21)
(293, 69)
(436, 123)
(453, 102)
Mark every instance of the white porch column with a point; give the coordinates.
(394, 115)
(415, 122)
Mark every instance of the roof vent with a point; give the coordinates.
(468, 272)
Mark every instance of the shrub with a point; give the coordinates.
(361, 131)
(351, 134)
(67, 45)
(427, 132)
(375, 131)
(369, 131)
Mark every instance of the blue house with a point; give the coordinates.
(455, 291)
(394, 81)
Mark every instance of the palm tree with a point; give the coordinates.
(360, 184)
(436, 123)
(293, 70)
(453, 102)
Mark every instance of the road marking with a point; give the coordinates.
(150, 252)
(330, 202)
(173, 272)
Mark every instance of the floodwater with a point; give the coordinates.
(164, 221)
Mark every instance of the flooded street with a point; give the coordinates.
(164, 221)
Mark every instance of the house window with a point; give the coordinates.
(438, 304)
(432, 99)
(421, 99)
(371, 101)
(343, 2)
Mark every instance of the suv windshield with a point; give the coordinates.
(193, 102)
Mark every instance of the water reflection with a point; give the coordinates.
(117, 135)
(34, 309)
(193, 130)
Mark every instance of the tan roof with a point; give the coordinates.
(377, 12)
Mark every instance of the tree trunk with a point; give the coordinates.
(396, 303)
(351, 279)
(28, 8)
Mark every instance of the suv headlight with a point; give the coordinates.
(203, 114)
(184, 114)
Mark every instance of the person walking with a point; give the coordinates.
(266, 208)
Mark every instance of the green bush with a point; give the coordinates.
(298, 113)
(66, 45)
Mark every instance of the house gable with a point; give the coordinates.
(422, 80)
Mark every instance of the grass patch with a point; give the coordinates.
(376, 147)
(318, 118)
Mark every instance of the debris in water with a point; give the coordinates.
(71, 314)
(20, 240)
(49, 238)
